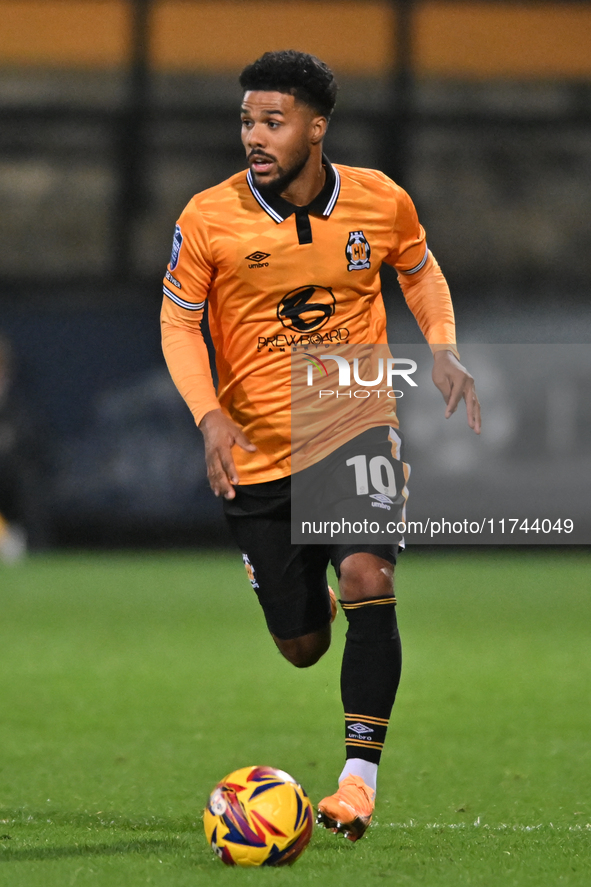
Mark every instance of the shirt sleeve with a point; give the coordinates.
(420, 277)
(408, 252)
(186, 285)
(428, 297)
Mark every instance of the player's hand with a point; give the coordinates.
(220, 434)
(455, 382)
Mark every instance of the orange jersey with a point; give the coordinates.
(278, 277)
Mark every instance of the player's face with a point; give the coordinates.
(278, 134)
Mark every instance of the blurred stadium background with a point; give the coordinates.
(116, 111)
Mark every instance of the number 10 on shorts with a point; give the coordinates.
(381, 474)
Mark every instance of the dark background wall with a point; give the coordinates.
(116, 111)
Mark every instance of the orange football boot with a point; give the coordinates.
(349, 810)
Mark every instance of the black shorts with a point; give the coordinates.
(289, 579)
(357, 493)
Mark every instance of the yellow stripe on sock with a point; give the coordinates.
(382, 722)
(359, 743)
(372, 602)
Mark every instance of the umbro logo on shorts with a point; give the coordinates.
(382, 501)
(257, 258)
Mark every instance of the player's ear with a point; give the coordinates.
(318, 129)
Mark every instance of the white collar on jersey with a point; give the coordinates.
(280, 209)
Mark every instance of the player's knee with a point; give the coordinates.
(304, 651)
(364, 575)
(304, 658)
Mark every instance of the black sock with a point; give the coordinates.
(370, 675)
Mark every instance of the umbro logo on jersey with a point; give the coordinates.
(359, 728)
(357, 251)
(257, 258)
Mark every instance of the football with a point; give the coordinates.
(258, 816)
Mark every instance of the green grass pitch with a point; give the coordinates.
(130, 684)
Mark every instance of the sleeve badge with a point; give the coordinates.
(177, 242)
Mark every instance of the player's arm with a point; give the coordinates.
(187, 359)
(185, 291)
(220, 434)
(455, 382)
(427, 295)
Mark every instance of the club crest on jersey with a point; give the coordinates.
(358, 251)
(177, 242)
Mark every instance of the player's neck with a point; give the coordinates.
(308, 184)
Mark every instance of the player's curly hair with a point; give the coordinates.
(297, 73)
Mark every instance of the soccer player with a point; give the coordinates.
(292, 246)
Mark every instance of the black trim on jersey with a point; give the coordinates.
(303, 226)
(322, 205)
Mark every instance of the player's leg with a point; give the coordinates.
(289, 580)
(370, 674)
(305, 650)
(372, 659)
(365, 566)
